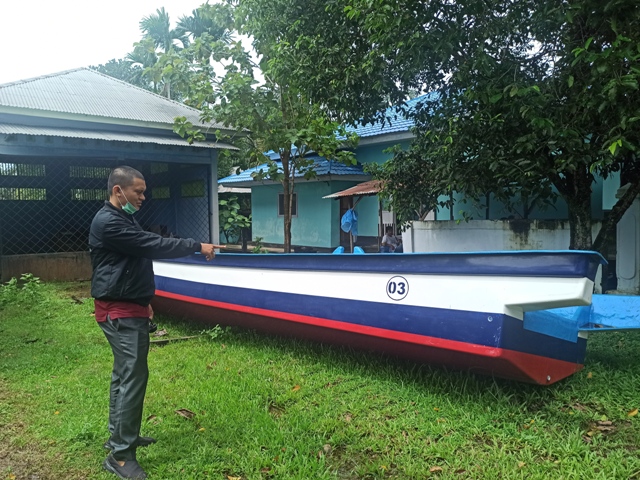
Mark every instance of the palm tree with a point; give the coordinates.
(158, 27)
(213, 20)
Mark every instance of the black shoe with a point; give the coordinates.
(142, 442)
(130, 469)
(152, 327)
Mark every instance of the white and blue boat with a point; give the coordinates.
(521, 315)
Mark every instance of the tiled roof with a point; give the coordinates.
(321, 166)
(90, 93)
(394, 122)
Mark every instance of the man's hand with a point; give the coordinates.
(208, 250)
(150, 313)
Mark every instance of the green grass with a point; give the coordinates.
(273, 408)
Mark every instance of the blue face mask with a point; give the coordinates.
(128, 208)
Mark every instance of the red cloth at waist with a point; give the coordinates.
(119, 310)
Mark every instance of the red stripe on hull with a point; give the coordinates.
(500, 362)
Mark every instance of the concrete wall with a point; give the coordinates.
(484, 235)
(61, 267)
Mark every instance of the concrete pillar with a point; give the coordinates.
(628, 248)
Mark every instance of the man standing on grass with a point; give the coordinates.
(122, 286)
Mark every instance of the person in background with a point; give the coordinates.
(399, 247)
(389, 241)
(123, 285)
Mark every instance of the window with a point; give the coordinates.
(159, 168)
(160, 193)
(88, 172)
(192, 189)
(294, 205)
(23, 193)
(90, 194)
(21, 170)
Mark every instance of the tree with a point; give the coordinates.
(534, 97)
(124, 70)
(233, 222)
(270, 115)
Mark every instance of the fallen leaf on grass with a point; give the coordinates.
(435, 469)
(160, 333)
(601, 426)
(632, 413)
(296, 388)
(154, 419)
(12, 476)
(201, 429)
(589, 375)
(229, 477)
(183, 412)
(521, 464)
(347, 417)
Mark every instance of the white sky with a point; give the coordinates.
(39, 37)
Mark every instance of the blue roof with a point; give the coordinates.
(394, 121)
(322, 166)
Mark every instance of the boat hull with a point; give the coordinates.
(464, 318)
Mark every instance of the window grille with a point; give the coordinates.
(47, 204)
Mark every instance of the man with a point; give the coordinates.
(122, 286)
(389, 241)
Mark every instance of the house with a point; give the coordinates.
(316, 221)
(60, 135)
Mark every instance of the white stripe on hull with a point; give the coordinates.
(509, 295)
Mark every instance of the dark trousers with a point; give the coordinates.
(129, 340)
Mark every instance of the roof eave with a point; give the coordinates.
(298, 180)
(30, 112)
(385, 138)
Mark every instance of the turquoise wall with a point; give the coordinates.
(602, 191)
(375, 153)
(317, 223)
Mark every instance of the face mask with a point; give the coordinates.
(128, 208)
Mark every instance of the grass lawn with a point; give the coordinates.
(273, 408)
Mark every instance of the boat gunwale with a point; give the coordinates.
(491, 263)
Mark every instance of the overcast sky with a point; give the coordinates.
(39, 37)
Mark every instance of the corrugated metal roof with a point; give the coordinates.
(9, 129)
(321, 165)
(87, 92)
(395, 122)
(372, 187)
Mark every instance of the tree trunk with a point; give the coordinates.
(578, 187)
(286, 184)
(610, 222)
(580, 226)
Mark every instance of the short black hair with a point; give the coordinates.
(123, 176)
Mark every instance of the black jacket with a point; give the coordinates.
(121, 256)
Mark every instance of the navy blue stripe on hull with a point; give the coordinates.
(481, 328)
(530, 263)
